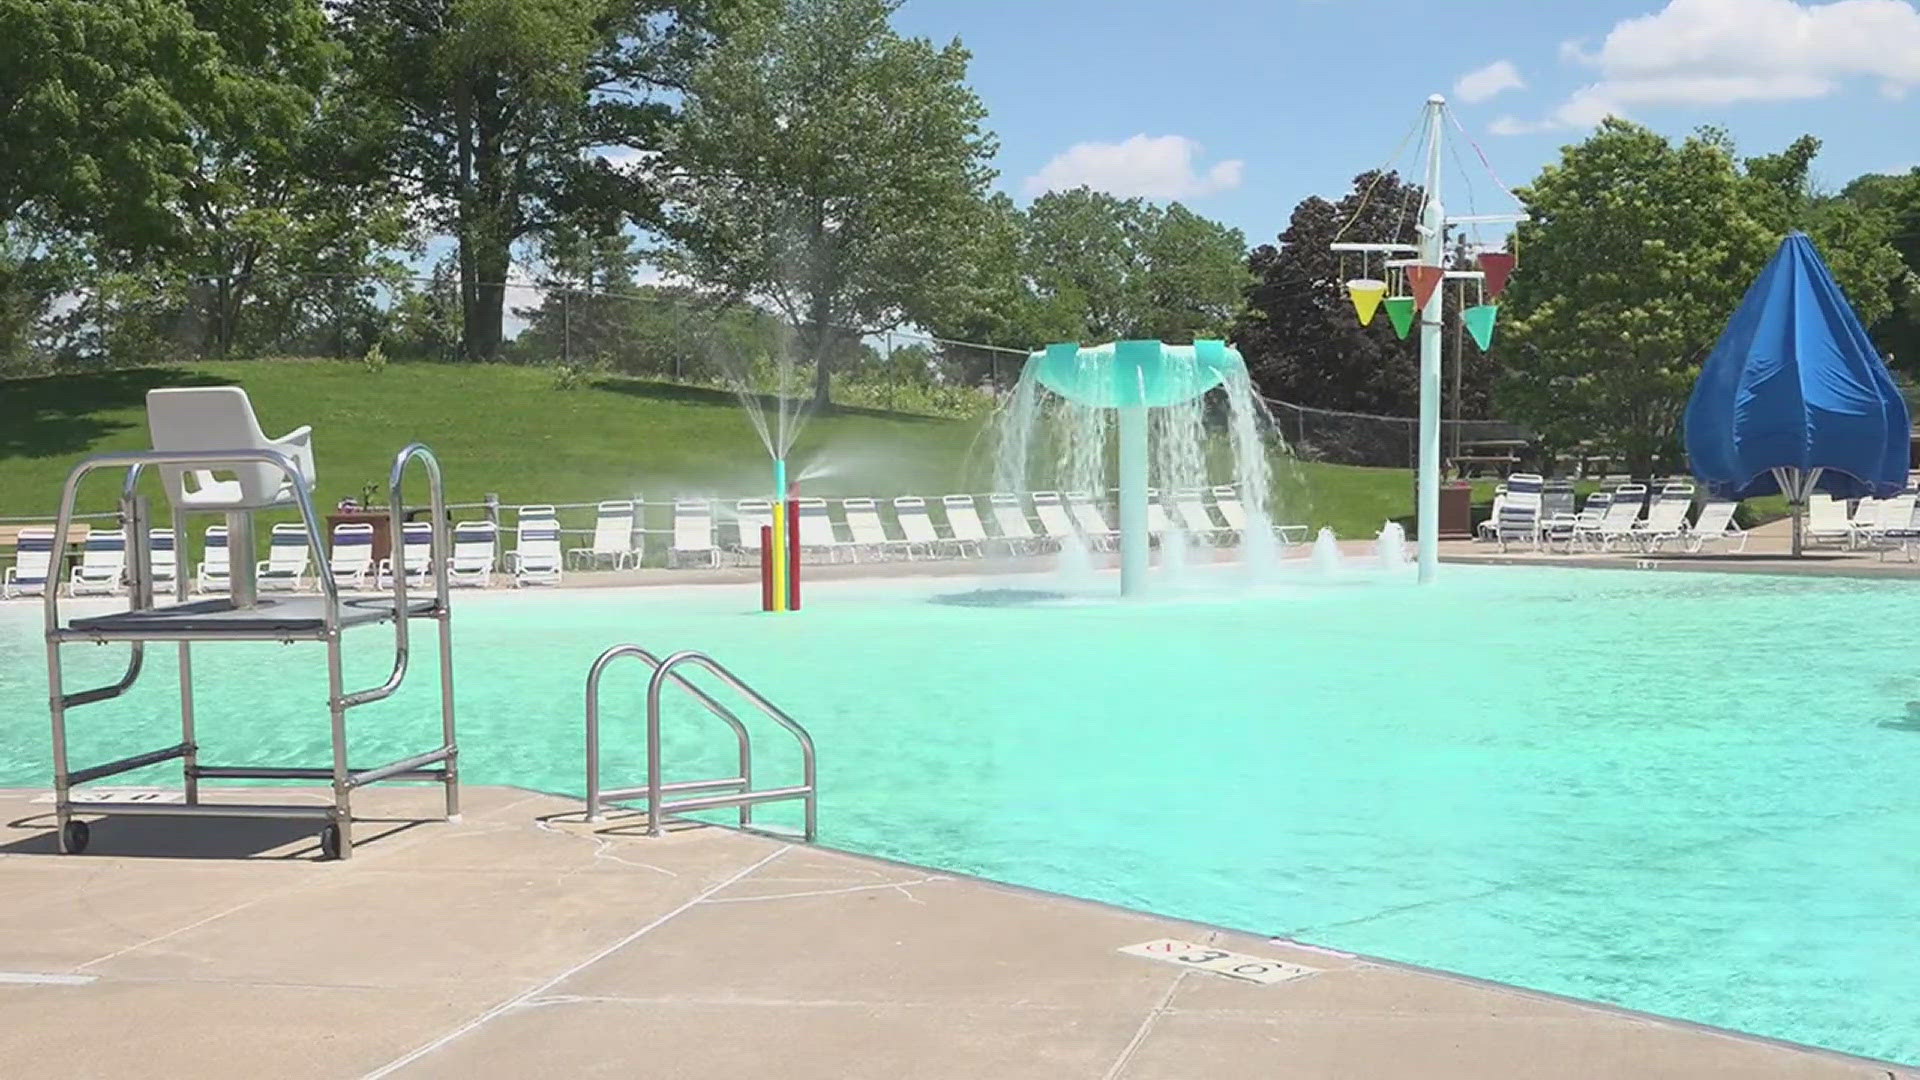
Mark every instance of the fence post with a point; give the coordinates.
(492, 499)
(566, 326)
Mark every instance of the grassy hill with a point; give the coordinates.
(508, 430)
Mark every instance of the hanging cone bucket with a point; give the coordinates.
(1425, 279)
(1400, 311)
(1479, 320)
(1365, 294)
(1497, 265)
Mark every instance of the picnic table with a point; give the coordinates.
(77, 534)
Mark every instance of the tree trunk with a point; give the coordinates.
(819, 338)
(489, 233)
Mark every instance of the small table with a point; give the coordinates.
(381, 521)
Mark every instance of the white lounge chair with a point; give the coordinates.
(1226, 500)
(32, 562)
(1192, 511)
(472, 561)
(103, 562)
(868, 534)
(535, 558)
(1714, 525)
(1093, 524)
(692, 534)
(222, 418)
(351, 559)
(1666, 519)
(1489, 529)
(963, 521)
(613, 539)
(1827, 521)
(1556, 498)
(1011, 519)
(216, 573)
(751, 516)
(917, 528)
(416, 556)
(1056, 526)
(163, 561)
(1894, 526)
(1620, 521)
(1159, 525)
(816, 531)
(1865, 523)
(288, 557)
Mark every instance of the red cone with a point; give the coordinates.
(1496, 265)
(1424, 279)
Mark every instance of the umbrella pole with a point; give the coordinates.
(1797, 509)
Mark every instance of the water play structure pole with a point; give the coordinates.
(1433, 240)
(1134, 541)
(775, 565)
(793, 554)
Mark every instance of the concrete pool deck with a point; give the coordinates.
(521, 941)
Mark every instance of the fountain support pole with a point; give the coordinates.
(1134, 541)
(1433, 241)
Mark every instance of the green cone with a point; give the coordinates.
(1400, 310)
(1479, 320)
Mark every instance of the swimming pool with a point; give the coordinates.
(1685, 793)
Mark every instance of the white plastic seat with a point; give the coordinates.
(473, 554)
(221, 418)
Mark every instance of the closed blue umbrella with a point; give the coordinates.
(1794, 399)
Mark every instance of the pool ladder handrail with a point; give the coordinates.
(735, 790)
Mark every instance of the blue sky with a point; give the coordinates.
(1241, 108)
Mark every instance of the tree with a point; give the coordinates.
(1897, 197)
(1637, 252)
(832, 169)
(492, 113)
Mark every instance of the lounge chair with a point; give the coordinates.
(751, 515)
(1556, 498)
(34, 550)
(1226, 499)
(1714, 525)
(473, 557)
(1192, 511)
(163, 563)
(1519, 520)
(1056, 526)
(963, 521)
(1618, 524)
(288, 557)
(1159, 524)
(103, 562)
(351, 559)
(535, 558)
(613, 539)
(416, 556)
(867, 532)
(215, 574)
(1011, 519)
(1489, 529)
(1827, 521)
(1093, 524)
(1870, 515)
(1893, 526)
(692, 534)
(1666, 519)
(917, 528)
(32, 562)
(816, 531)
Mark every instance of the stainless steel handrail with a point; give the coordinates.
(440, 554)
(656, 788)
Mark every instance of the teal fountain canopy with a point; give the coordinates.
(1134, 374)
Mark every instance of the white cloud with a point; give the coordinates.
(1726, 52)
(1483, 83)
(1149, 166)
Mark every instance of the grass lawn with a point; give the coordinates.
(507, 430)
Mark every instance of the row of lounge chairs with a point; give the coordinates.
(1012, 525)
(1539, 513)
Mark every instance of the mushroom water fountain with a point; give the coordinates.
(1152, 395)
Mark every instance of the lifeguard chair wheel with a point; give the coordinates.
(74, 836)
(330, 842)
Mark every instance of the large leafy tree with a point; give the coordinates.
(1896, 199)
(832, 169)
(1637, 252)
(504, 117)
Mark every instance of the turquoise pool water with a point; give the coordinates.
(1689, 794)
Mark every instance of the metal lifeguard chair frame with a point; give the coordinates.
(245, 616)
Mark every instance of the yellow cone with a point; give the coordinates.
(1366, 294)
